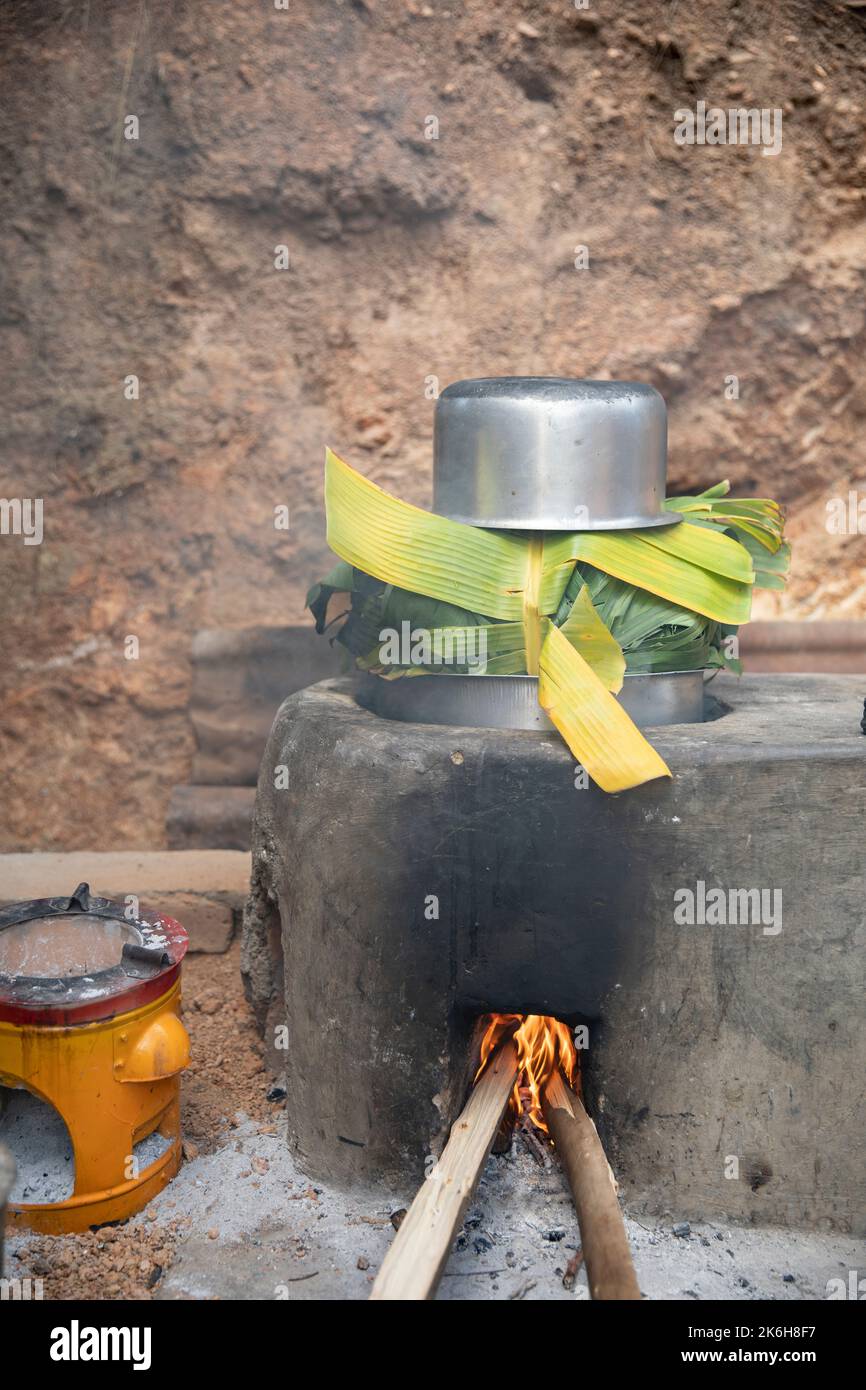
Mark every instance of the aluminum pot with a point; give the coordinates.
(511, 702)
(551, 454)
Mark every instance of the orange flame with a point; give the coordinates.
(543, 1043)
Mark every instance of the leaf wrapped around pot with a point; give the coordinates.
(420, 593)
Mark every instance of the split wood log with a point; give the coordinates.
(413, 1266)
(606, 1252)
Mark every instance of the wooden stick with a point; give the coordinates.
(417, 1255)
(609, 1265)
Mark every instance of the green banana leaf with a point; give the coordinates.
(427, 595)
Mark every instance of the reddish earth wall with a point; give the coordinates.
(409, 259)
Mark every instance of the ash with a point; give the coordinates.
(40, 1144)
(246, 1223)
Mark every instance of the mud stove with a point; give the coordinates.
(433, 858)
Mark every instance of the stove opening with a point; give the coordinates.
(545, 1045)
(36, 1136)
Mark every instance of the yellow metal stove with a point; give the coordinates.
(90, 1024)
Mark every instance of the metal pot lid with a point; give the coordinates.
(551, 454)
(82, 958)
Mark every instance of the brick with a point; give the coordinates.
(204, 889)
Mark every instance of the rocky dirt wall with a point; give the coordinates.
(411, 261)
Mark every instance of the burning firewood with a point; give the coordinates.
(605, 1247)
(413, 1266)
(544, 1100)
(527, 1063)
(543, 1046)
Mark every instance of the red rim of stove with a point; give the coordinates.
(50, 1002)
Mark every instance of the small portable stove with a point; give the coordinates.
(90, 1023)
(544, 454)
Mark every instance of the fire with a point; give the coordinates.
(543, 1043)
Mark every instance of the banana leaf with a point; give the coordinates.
(482, 571)
(771, 568)
(592, 721)
(646, 565)
(587, 632)
(509, 576)
(430, 595)
(759, 518)
(338, 581)
(757, 522)
(654, 635)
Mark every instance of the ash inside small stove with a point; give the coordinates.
(39, 1141)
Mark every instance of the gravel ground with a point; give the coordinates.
(242, 1222)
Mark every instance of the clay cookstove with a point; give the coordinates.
(430, 858)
